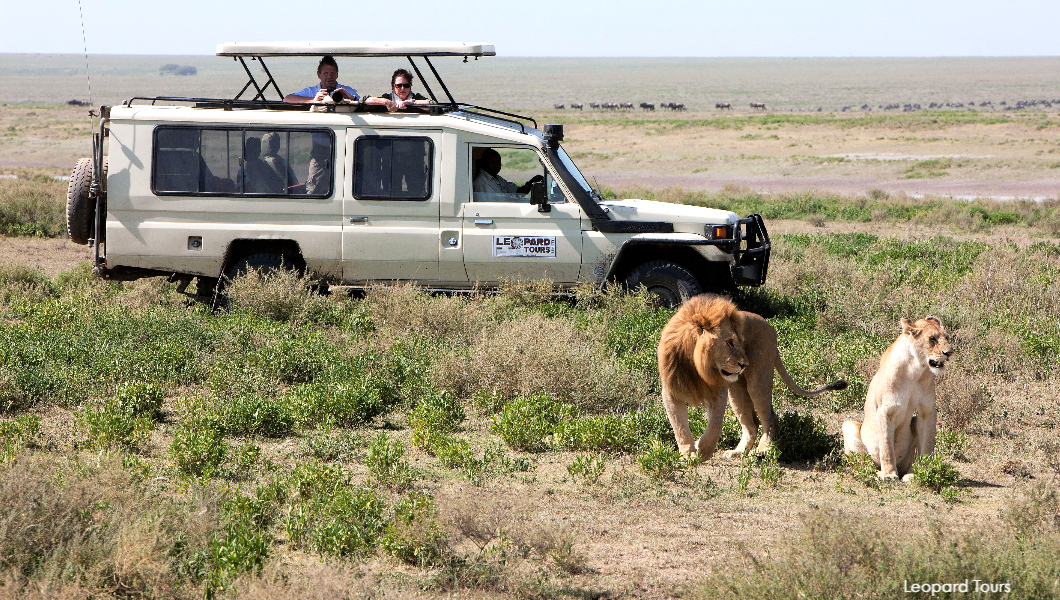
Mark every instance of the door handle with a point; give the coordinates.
(483, 221)
(359, 220)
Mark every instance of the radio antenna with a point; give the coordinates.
(84, 38)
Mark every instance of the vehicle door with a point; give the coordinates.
(390, 205)
(505, 236)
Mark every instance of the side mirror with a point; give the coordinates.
(539, 197)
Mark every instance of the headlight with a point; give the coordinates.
(718, 232)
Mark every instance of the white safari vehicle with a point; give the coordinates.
(209, 188)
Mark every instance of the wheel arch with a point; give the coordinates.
(241, 248)
(712, 275)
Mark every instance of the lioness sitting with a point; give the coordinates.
(905, 384)
(708, 351)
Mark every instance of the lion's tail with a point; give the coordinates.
(839, 384)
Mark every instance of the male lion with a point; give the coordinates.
(709, 348)
(905, 384)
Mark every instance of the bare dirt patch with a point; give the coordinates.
(52, 255)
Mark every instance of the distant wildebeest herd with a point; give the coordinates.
(647, 106)
(756, 106)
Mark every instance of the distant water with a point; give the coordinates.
(535, 84)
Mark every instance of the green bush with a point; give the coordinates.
(242, 543)
(330, 515)
(605, 433)
(15, 433)
(932, 472)
(767, 466)
(413, 535)
(951, 445)
(859, 467)
(802, 437)
(114, 425)
(587, 468)
(343, 404)
(253, 414)
(457, 453)
(524, 423)
(435, 414)
(141, 399)
(384, 461)
(663, 462)
(247, 457)
(199, 448)
(341, 445)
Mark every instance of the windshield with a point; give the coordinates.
(573, 170)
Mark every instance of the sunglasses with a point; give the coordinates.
(403, 85)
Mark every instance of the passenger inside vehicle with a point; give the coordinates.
(270, 154)
(257, 176)
(490, 185)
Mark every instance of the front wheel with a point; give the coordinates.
(669, 282)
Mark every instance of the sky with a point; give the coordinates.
(648, 28)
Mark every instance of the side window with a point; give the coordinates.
(504, 174)
(176, 160)
(236, 162)
(392, 168)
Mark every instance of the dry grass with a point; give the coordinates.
(85, 527)
(34, 205)
(536, 354)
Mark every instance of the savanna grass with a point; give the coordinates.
(840, 555)
(974, 215)
(34, 206)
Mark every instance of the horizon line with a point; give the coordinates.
(593, 57)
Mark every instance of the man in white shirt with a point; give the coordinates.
(489, 186)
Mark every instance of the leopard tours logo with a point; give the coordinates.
(524, 245)
(968, 585)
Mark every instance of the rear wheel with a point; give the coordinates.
(263, 262)
(669, 282)
(80, 209)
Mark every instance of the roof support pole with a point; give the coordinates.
(261, 94)
(439, 78)
(271, 80)
(420, 75)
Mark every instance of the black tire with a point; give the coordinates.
(80, 212)
(80, 209)
(266, 262)
(671, 283)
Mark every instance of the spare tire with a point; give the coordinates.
(80, 209)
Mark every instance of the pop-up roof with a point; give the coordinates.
(256, 51)
(373, 49)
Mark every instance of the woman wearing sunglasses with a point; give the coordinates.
(400, 97)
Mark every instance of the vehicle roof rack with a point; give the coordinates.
(231, 104)
(365, 49)
(256, 51)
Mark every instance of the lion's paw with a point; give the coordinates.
(728, 454)
(888, 476)
(907, 478)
